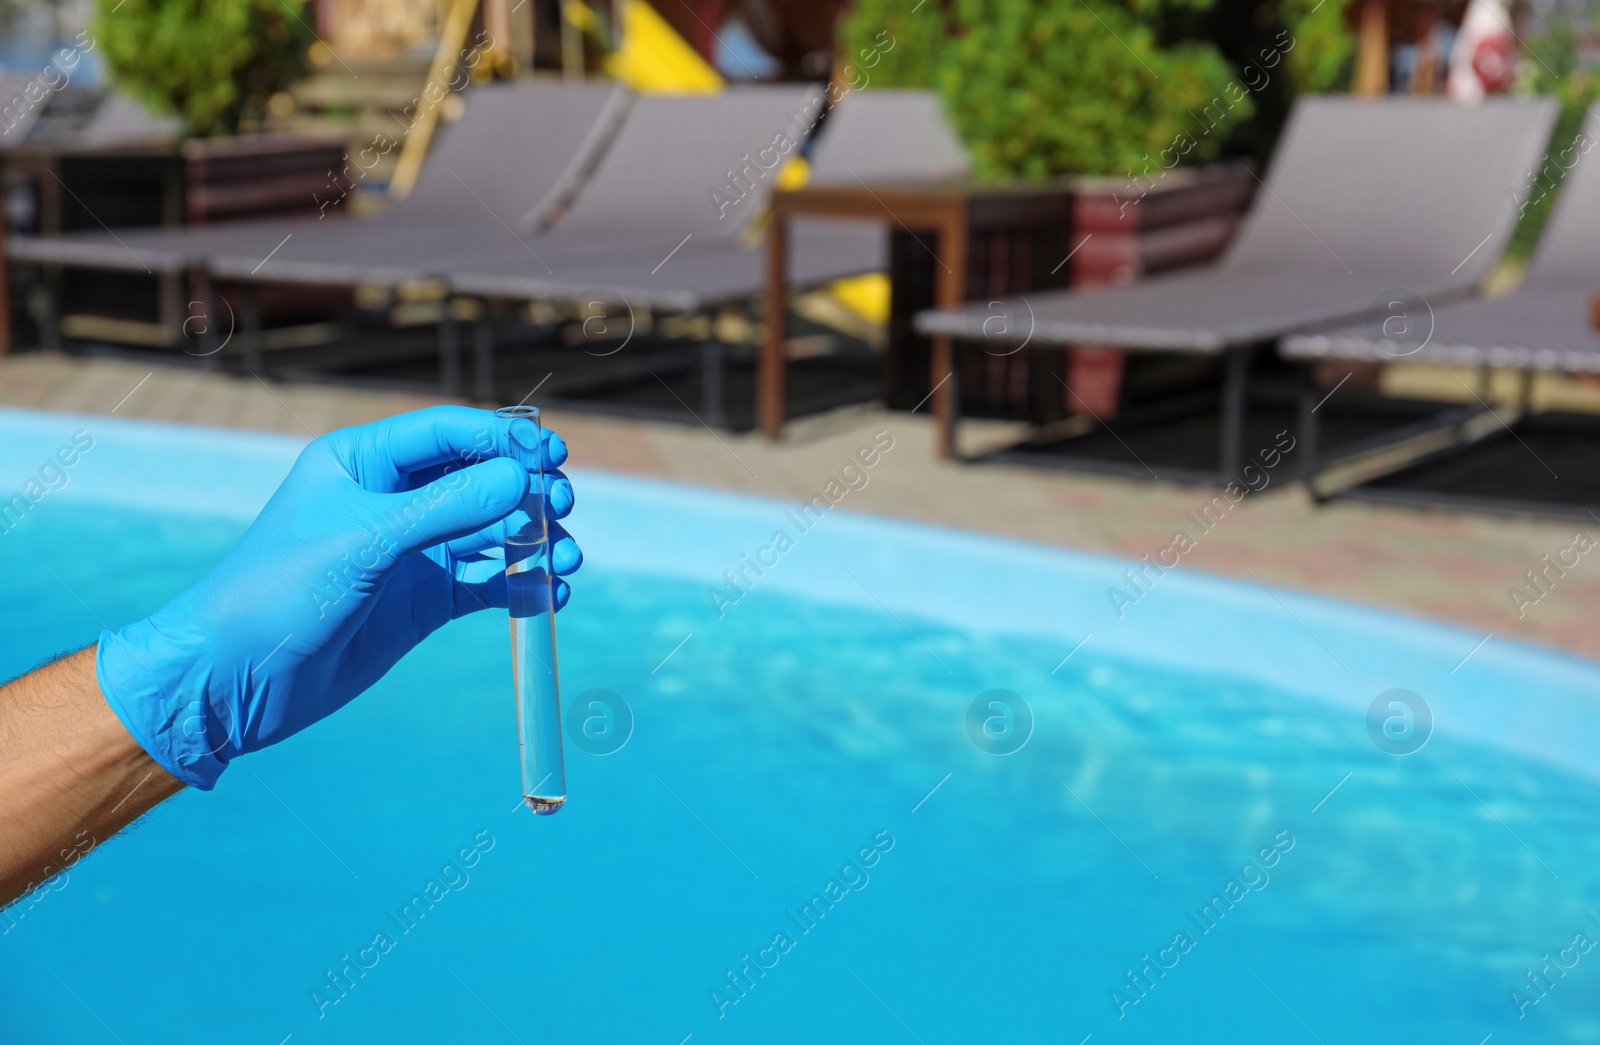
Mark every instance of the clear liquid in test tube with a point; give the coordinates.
(530, 586)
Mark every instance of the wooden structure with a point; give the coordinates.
(959, 241)
(166, 184)
(1187, 217)
(952, 213)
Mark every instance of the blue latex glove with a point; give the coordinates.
(374, 540)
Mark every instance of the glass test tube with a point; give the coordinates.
(530, 585)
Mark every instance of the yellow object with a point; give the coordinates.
(653, 59)
(794, 173)
(579, 14)
(866, 296)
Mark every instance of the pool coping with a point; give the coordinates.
(1508, 693)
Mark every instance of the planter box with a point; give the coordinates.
(232, 179)
(1114, 236)
(77, 185)
(1188, 217)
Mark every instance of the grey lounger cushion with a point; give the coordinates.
(519, 150)
(820, 251)
(599, 253)
(1543, 325)
(888, 135)
(651, 197)
(1364, 196)
(512, 153)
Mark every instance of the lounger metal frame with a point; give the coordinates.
(1543, 325)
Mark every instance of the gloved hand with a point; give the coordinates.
(374, 540)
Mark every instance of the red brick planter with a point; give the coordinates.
(1115, 236)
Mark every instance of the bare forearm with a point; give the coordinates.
(71, 776)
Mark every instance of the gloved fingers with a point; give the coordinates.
(553, 452)
(480, 584)
(494, 536)
(453, 507)
(488, 593)
(432, 438)
(469, 549)
(564, 551)
(484, 587)
(556, 492)
(553, 448)
(491, 536)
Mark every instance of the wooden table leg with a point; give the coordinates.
(770, 368)
(949, 291)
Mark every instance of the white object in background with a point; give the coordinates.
(1483, 60)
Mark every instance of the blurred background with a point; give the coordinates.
(293, 206)
(1266, 335)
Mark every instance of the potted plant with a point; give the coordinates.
(215, 63)
(1129, 99)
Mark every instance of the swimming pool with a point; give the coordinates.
(801, 840)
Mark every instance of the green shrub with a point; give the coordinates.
(213, 62)
(1038, 88)
(1325, 48)
(885, 43)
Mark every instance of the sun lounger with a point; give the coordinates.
(685, 174)
(898, 135)
(1363, 197)
(519, 152)
(1546, 324)
(545, 135)
(648, 190)
(515, 152)
(700, 263)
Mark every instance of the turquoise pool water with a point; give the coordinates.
(1003, 898)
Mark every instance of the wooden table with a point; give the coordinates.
(950, 211)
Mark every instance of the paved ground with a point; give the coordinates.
(1453, 567)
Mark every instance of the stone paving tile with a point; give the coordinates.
(1447, 566)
